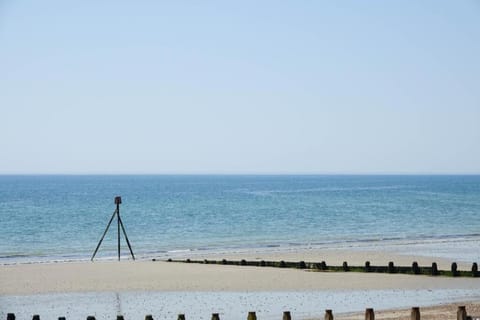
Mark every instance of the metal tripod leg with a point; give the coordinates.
(126, 238)
(106, 229)
(118, 230)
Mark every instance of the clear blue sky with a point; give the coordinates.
(240, 87)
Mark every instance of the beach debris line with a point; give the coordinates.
(369, 315)
(345, 267)
(117, 201)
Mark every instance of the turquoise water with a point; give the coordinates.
(63, 217)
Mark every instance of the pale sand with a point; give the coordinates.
(165, 276)
(136, 288)
(441, 312)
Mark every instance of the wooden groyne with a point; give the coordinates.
(369, 315)
(322, 266)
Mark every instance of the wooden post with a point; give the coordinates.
(181, 316)
(148, 317)
(415, 314)
(11, 316)
(434, 269)
(328, 314)
(120, 317)
(474, 269)
(252, 315)
(367, 266)
(36, 317)
(323, 265)
(391, 267)
(415, 268)
(462, 313)
(215, 316)
(369, 314)
(287, 315)
(454, 269)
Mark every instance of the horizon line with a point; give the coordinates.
(393, 173)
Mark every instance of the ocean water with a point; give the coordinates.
(62, 217)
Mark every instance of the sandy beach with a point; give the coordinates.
(146, 275)
(142, 287)
(163, 276)
(441, 312)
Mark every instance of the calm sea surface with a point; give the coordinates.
(63, 217)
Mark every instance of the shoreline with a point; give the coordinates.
(164, 289)
(458, 249)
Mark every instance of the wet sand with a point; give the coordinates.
(140, 286)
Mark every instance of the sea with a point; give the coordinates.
(46, 218)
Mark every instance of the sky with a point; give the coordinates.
(240, 87)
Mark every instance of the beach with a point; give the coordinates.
(439, 312)
(38, 278)
(165, 289)
(49, 236)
